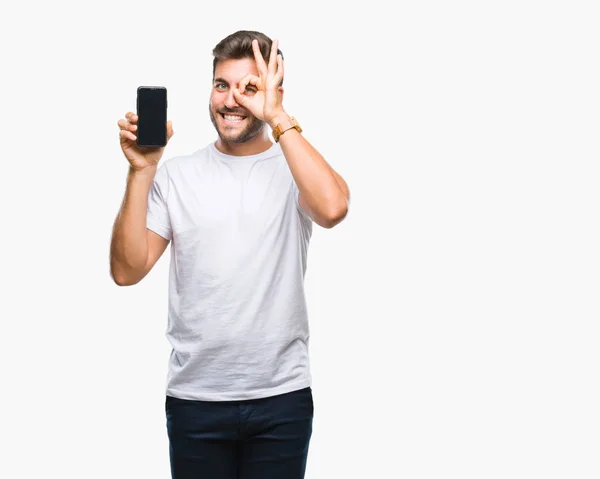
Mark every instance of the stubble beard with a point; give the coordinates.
(251, 131)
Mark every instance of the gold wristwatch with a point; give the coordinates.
(284, 126)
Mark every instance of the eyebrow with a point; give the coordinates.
(222, 80)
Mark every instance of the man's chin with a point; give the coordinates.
(240, 137)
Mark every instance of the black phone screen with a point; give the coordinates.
(152, 116)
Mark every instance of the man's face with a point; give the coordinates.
(233, 122)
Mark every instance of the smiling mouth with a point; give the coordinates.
(232, 118)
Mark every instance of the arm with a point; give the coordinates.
(134, 249)
(324, 194)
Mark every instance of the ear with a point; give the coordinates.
(280, 89)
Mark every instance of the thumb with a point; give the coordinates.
(239, 97)
(170, 131)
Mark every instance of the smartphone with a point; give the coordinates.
(152, 116)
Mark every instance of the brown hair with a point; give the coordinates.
(239, 45)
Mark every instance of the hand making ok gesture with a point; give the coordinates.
(265, 103)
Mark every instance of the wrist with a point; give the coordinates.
(278, 118)
(147, 172)
(285, 124)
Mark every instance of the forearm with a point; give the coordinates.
(129, 244)
(325, 192)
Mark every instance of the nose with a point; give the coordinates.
(230, 100)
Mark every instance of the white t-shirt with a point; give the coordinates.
(237, 317)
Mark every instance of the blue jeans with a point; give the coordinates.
(263, 438)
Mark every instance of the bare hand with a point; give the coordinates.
(265, 102)
(139, 157)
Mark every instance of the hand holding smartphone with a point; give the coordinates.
(144, 135)
(152, 116)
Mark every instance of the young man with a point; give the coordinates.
(240, 213)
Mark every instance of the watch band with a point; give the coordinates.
(284, 126)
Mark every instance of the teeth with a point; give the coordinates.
(233, 117)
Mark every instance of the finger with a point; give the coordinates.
(170, 131)
(240, 98)
(273, 58)
(131, 117)
(125, 125)
(260, 61)
(249, 79)
(125, 135)
(279, 75)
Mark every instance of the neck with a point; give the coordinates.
(256, 145)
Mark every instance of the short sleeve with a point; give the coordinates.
(157, 217)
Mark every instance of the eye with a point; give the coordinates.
(220, 86)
